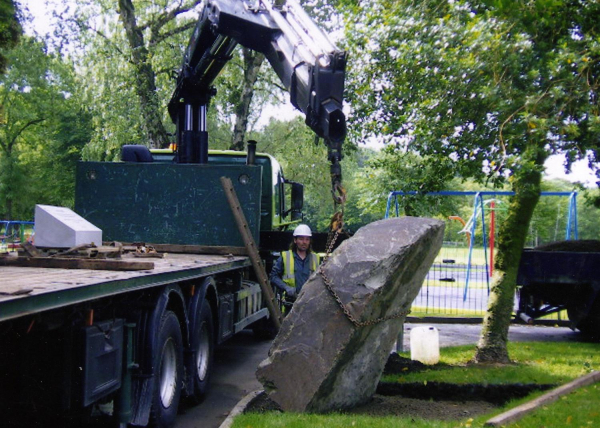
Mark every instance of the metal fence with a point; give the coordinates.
(458, 282)
(453, 287)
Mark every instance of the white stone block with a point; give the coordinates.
(60, 227)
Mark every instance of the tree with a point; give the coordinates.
(42, 130)
(252, 62)
(128, 52)
(495, 86)
(145, 77)
(139, 54)
(302, 161)
(10, 29)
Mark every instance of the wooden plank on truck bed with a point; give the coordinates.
(75, 263)
(26, 290)
(192, 249)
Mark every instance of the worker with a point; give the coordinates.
(293, 267)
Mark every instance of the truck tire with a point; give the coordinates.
(203, 343)
(589, 324)
(168, 376)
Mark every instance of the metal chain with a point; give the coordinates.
(329, 286)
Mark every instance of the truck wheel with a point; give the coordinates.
(203, 347)
(168, 376)
(589, 325)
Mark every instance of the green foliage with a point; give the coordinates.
(42, 130)
(291, 143)
(304, 161)
(10, 29)
(587, 214)
(393, 169)
(473, 82)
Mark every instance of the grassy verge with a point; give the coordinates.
(538, 362)
(422, 311)
(461, 255)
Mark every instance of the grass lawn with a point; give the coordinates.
(535, 362)
(461, 255)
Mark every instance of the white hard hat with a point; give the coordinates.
(302, 230)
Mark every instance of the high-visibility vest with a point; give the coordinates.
(288, 266)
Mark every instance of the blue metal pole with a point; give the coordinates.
(471, 245)
(387, 208)
(572, 218)
(575, 215)
(487, 272)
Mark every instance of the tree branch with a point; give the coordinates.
(167, 16)
(157, 38)
(84, 27)
(18, 133)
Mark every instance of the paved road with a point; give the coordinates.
(466, 334)
(233, 378)
(237, 360)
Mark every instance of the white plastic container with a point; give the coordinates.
(425, 345)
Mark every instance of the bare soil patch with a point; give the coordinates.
(435, 400)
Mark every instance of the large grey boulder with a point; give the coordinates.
(320, 361)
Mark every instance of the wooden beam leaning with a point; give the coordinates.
(252, 250)
(75, 263)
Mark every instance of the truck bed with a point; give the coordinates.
(25, 290)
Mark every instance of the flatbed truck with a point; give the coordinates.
(73, 339)
(137, 342)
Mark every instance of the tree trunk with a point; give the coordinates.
(145, 79)
(252, 63)
(9, 204)
(492, 346)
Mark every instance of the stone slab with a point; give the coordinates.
(320, 361)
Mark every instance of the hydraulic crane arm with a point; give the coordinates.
(305, 60)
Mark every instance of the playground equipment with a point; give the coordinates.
(482, 201)
(12, 233)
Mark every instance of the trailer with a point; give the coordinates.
(561, 276)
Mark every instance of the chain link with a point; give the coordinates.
(332, 238)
